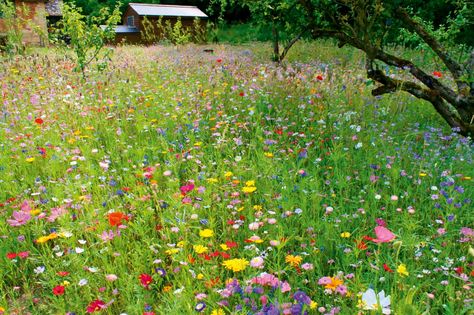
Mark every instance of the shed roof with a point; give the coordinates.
(167, 10)
(121, 29)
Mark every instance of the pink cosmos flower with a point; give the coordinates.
(19, 218)
(383, 234)
(257, 262)
(324, 281)
(285, 287)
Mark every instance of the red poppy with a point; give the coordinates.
(115, 218)
(39, 121)
(241, 93)
(62, 273)
(319, 77)
(437, 74)
(361, 245)
(225, 255)
(11, 255)
(145, 280)
(387, 268)
(368, 238)
(211, 283)
(95, 306)
(231, 244)
(219, 60)
(459, 270)
(58, 290)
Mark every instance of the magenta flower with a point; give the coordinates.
(19, 218)
(186, 188)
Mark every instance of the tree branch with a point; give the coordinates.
(290, 44)
(455, 68)
(390, 85)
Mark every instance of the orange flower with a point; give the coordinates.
(335, 282)
(115, 218)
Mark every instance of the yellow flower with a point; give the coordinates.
(224, 247)
(44, 239)
(335, 282)
(206, 233)
(171, 251)
(345, 234)
(422, 174)
(402, 270)
(249, 189)
(181, 244)
(66, 283)
(257, 207)
(313, 305)
(228, 174)
(219, 311)
(197, 144)
(212, 180)
(30, 159)
(200, 276)
(35, 211)
(199, 249)
(293, 261)
(268, 154)
(250, 183)
(167, 288)
(236, 265)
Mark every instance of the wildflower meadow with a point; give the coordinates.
(190, 181)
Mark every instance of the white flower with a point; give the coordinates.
(82, 282)
(372, 301)
(39, 270)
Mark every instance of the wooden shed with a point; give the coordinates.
(133, 20)
(34, 14)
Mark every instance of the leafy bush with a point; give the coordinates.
(12, 42)
(87, 36)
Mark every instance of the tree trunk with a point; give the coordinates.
(276, 44)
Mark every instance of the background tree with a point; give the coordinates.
(364, 24)
(371, 25)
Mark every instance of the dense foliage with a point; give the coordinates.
(438, 12)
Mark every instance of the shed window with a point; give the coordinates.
(130, 21)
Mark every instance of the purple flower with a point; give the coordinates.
(160, 271)
(200, 307)
(296, 309)
(301, 297)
